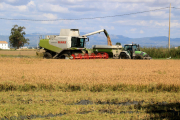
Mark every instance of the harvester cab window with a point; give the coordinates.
(81, 42)
(77, 42)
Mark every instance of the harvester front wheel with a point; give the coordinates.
(47, 55)
(63, 56)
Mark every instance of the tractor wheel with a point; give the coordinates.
(146, 57)
(123, 56)
(47, 55)
(138, 57)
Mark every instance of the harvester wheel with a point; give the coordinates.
(63, 56)
(47, 55)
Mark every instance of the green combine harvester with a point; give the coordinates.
(70, 45)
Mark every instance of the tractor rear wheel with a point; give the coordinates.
(123, 56)
(47, 55)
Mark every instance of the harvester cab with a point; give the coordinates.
(132, 51)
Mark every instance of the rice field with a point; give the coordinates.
(22, 52)
(36, 88)
(160, 52)
(111, 71)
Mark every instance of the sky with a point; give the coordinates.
(149, 24)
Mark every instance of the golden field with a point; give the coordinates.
(111, 71)
(36, 86)
(20, 52)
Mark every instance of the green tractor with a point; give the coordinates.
(132, 51)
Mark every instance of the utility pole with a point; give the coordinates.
(37, 43)
(169, 24)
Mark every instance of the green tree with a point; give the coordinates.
(17, 39)
(118, 43)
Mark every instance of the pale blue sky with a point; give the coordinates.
(134, 26)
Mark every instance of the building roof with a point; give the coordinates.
(4, 42)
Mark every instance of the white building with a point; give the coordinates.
(3, 45)
(24, 47)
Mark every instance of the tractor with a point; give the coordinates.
(132, 51)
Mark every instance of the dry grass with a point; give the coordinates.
(112, 72)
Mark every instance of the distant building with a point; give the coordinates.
(4, 45)
(24, 47)
(177, 47)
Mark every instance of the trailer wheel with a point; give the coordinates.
(47, 55)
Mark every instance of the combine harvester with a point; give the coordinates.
(70, 45)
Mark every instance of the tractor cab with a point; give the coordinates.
(131, 48)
